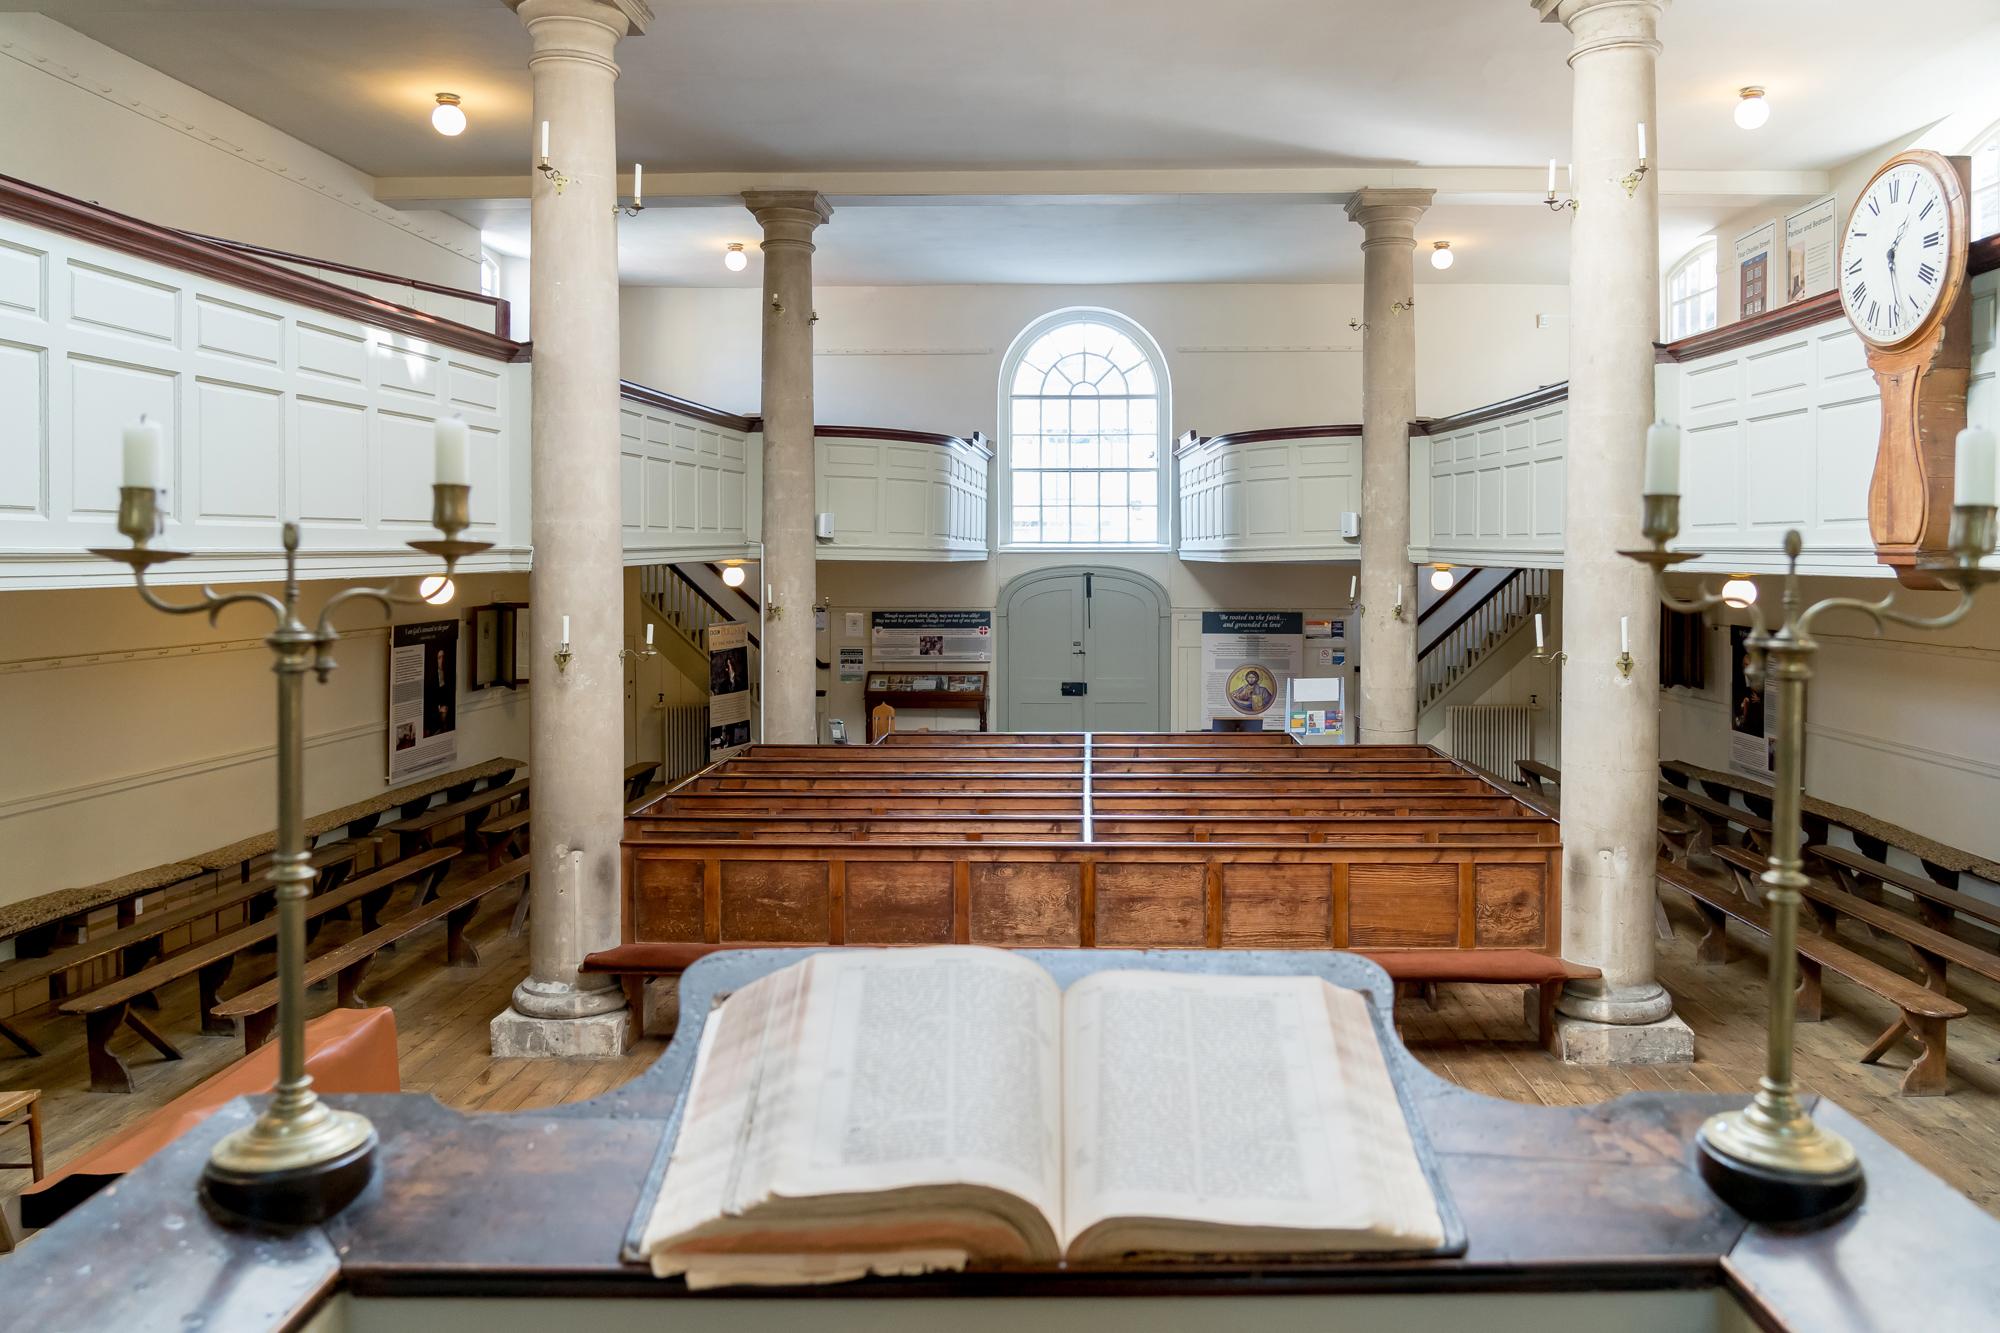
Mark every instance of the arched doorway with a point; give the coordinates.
(1083, 649)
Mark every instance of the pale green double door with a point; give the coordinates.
(1083, 650)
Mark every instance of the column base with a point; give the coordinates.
(1665, 1041)
(1595, 1002)
(517, 1036)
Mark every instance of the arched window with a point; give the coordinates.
(489, 273)
(1084, 414)
(1985, 199)
(1691, 293)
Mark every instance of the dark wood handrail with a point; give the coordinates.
(976, 440)
(687, 407)
(1194, 440)
(502, 308)
(1545, 396)
(98, 225)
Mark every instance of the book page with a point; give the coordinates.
(1230, 1101)
(928, 1066)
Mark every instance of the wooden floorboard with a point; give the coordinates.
(1477, 1037)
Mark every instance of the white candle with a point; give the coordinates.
(565, 637)
(1663, 459)
(649, 634)
(145, 455)
(1539, 645)
(545, 141)
(1569, 175)
(1977, 481)
(1552, 175)
(453, 465)
(1353, 586)
(1624, 634)
(1642, 141)
(638, 181)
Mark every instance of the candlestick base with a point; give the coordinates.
(246, 1185)
(1789, 1199)
(451, 551)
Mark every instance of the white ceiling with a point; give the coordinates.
(914, 85)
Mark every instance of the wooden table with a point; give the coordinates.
(1599, 1198)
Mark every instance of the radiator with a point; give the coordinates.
(1492, 736)
(683, 741)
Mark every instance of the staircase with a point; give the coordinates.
(1465, 629)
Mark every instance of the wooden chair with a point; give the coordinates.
(881, 723)
(16, 1109)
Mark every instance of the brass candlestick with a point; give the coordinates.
(1769, 1160)
(301, 1161)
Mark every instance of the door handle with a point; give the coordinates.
(1072, 688)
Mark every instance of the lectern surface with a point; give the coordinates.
(1596, 1198)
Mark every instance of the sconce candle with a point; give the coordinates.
(1539, 645)
(649, 636)
(1978, 478)
(565, 637)
(1552, 175)
(453, 466)
(1663, 459)
(1624, 634)
(146, 455)
(1642, 141)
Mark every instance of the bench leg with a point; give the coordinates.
(136, 958)
(208, 983)
(635, 1007)
(347, 985)
(433, 882)
(13, 1035)
(152, 1036)
(1811, 1001)
(107, 1071)
(458, 950)
(520, 921)
(257, 1028)
(1926, 1074)
(371, 909)
(1713, 946)
(1545, 1014)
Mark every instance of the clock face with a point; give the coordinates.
(1895, 255)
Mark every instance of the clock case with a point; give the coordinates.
(1922, 379)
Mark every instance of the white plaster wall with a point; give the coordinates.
(1240, 356)
(90, 122)
(1904, 727)
(133, 737)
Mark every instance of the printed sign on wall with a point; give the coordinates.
(728, 690)
(937, 636)
(423, 699)
(1246, 658)
(1753, 715)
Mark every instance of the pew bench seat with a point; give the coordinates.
(638, 777)
(420, 830)
(1924, 1012)
(1937, 904)
(257, 1007)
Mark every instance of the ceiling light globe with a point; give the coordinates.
(447, 117)
(734, 259)
(1752, 109)
(733, 575)
(1442, 579)
(437, 589)
(1441, 255)
(1740, 592)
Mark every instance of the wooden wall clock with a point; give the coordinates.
(1902, 283)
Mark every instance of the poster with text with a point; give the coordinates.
(1752, 711)
(423, 699)
(1809, 242)
(1246, 658)
(1753, 270)
(933, 636)
(728, 689)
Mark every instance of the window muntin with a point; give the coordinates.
(1691, 294)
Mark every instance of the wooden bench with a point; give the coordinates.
(636, 963)
(108, 1007)
(1938, 905)
(257, 1007)
(418, 831)
(638, 777)
(1544, 778)
(1924, 1012)
(1756, 828)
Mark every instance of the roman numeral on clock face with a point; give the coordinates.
(1927, 274)
(1933, 239)
(1857, 294)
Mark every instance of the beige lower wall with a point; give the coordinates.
(1905, 727)
(133, 737)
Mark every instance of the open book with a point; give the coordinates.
(904, 1110)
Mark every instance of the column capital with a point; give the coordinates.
(619, 17)
(788, 215)
(1388, 214)
(1603, 25)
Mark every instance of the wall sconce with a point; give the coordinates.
(1624, 662)
(627, 654)
(638, 204)
(1542, 653)
(1396, 613)
(546, 167)
(447, 117)
(1558, 205)
(734, 259)
(563, 654)
(1630, 180)
(777, 306)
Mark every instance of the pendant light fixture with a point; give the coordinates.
(1440, 255)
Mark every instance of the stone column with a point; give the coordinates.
(1610, 721)
(577, 744)
(791, 677)
(1388, 705)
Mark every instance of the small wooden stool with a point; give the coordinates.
(23, 1107)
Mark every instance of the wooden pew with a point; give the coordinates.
(1935, 903)
(417, 832)
(1681, 839)
(638, 776)
(1720, 815)
(257, 1007)
(1924, 1012)
(108, 1007)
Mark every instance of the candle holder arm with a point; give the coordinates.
(212, 602)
